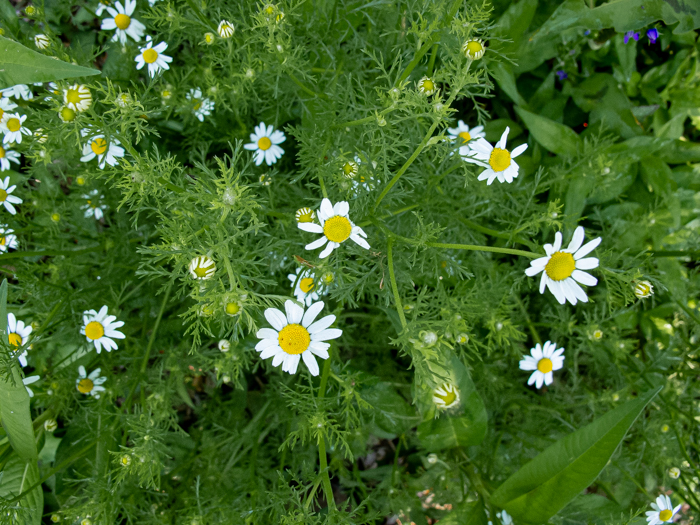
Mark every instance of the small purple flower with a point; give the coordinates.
(587, 32)
(562, 75)
(653, 35)
(631, 34)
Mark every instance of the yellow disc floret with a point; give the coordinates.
(98, 146)
(73, 96)
(13, 124)
(560, 266)
(122, 21)
(3, 195)
(15, 339)
(337, 229)
(94, 330)
(448, 397)
(306, 284)
(85, 386)
(2, 152)
(466, 137)
(499, 159)
(264, 143)
(232, 308)
(150, 55)
(294, 339)
(544, 365)
(66, 114)
(665, 515)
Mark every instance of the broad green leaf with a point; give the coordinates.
(506, 80)
(465, 428)
(390, 412)
(514, 22)
(17, 477)
(467, 513)
(657, 176)
(14, 400)
(555, 137)
(21, 65)
(608, 105)
(627, 54)
(556, 476)
(623, 173)
(8, 15)
(680, 152)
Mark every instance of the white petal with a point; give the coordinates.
(327, 250)
(321, 324)
(271, 351)
(557, 242)
(292, 363)
(504, 138)
(360, 241)
(267, 333)
(584, 278)
(557, 291)
(310, 362)
(341, 208)
(587, 248)
(311, 227)
(587, 264)
(326, 209)
(319, 348)
(576, 240)
(518, 151)
(279, 358)
(325, 335)
(317, 243)
(548, 378)
(533, 270)
(275, 318)
(311, 314)
(265, 343)
(294, 312)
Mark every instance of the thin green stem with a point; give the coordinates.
(431, 62)
(323, 462)
(394, 287)
(306, 89)
(229, 271)
(147, 355)
(200, 15)
(46, 253)
(477, 248)
(366, 120)
(389, 214)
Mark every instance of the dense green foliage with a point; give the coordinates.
(193, 426)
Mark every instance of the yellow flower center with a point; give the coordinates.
(150, 55)
(449, 397)
(500, 159)
(294, 339)
(3, 195)
(349, 168)
(427, 85)
(67, 114)
(560, 266)
(3, 241)
(544, 365)
(665, 515)
(474, 47)
(197, 104)
(15, 339)
(264, 143)
(73, 96)
(80, 181)
(306, 284)
(2, 112)
(209, 38)
(337, 229)
(98, 146)
(466, 137)
(14, 124)
(122, 21)
(200, 271)
(269, 10)
(305, 216)
(232, 308)
(85, 386)
(94, 330)
(2, 150)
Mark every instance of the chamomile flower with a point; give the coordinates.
(90, 384)
(7, 156)
(543, 360)
(350, 169)
(101, 6)
(446, 396)
(122, 21)
(66, 114)
(474, 48)
(295, 336)
(663, 511)
(463, 135)
(77, 97)
(12, 126)
(93, 207)
(101, 329)
(426, 85)
(504, 517)
(562, 268)
(304, 215)
(8, 239)
(643, 289)
(17, 335)
(201, 107)
(106, 153)
(497, 160)
(305, 289)
(6, 199)
(202, 268)
(335, 226)
(225, 29)
(265, 143)
(42, 42)
(154, 57)
(6, 105)
(28, 381)
(22, 91)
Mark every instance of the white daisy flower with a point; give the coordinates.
(90, 384)
(543, 361)
(11, 126)
(663, 511)
(121, 21)
(335, 226)
(94, 207)
(504, 517)
(7, 156)
(105, 153)
(101, 329)
(8, 239)
(474, 48)
(562, 269)
(202, 268)
(40, 136)
(6, 199)
(426, 86)
(22, 91)
(463, 135)
(304, 215)
(77, 97)
(265, 143)
(296, 336)
(154, 57)
(28, 381)
(498, 161)
(225, 29)
(305, 289)
(362, 183)
(446, 396)
(202, 107)
(17, 335)
(101, 6)
(642, 289)
(6, 105)
(350, 169)
(42, 41)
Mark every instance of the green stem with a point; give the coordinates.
(394, 287)
(45, 253)
(323, 462)
(229, 270)
(147, 355)
(476, 248)
(366, 120)
(431, 62)
(390, 214)
(201, 16)
(306, 89)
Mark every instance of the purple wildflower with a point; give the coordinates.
(631, 34)
(562, 75)
(587, 32)
(653, 35)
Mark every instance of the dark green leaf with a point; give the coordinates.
(657, 176)
(467, 513)
(556, 476)
(390, 412)
(9, 16)
(680, 152)
(555, 137)
(506, 80)
(21, 65)
(17, 477)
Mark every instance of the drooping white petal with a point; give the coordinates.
(276, 318)
(310, 362)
